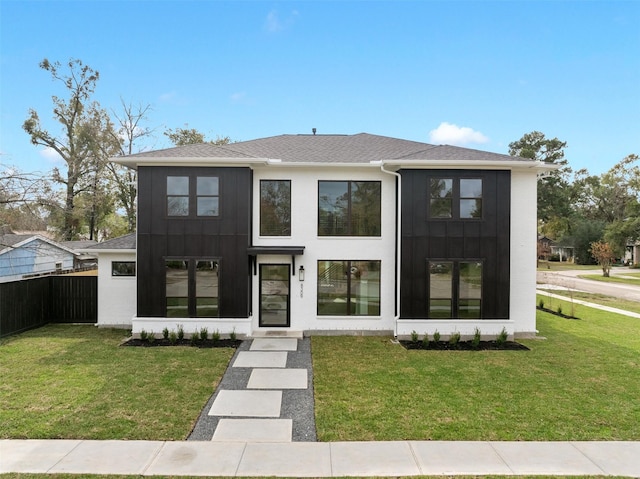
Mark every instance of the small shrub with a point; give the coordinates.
(475, 342)
(165, 333)
(144, 335)
(502, 337)
(180, 331)
(215, 336)
(194, 339)
(541, 303)
(559, 309)
(454, 339)
(436, 336)
(414, 336)
(232, 335)
(173, 337)
(204, 334)
(151, 337)
(425, 341)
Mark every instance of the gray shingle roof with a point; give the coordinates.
(346, 149)
(121, 242)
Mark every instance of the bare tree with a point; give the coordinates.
(130, 131)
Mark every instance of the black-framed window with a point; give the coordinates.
(191, 288)
(454, 289)
(183, 192)
(208, 196)
(177, 195)
(348, 288)
(457, 198)
(349, 208)
(123, 268)
(275, 207)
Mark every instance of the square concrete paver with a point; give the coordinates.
(296, 459)
(33, 455)
(261, 359)
(373, 459)
(278, 379)
(616, 458)
(108, 457)
(274, 344)
(554, 458)
(458, 458)
(254, 430)
(196, 458)
(247, 403)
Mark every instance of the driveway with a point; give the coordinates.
(569, 279)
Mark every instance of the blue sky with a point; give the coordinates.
(478, 74)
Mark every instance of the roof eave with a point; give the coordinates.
(466, 164)
(135, 162)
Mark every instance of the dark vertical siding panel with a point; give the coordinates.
(486, 239)
(225, 238)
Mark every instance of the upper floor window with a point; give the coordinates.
(455, 198)
(349, 208)
(275, 208)
(180, 194)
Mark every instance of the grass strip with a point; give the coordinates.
(611, 279)
(75, 382)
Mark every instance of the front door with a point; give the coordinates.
(275, 281)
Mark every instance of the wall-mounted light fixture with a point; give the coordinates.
(301, 273)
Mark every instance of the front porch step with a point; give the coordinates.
(282, 333)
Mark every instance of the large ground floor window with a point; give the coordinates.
(455, 289)
(348, 288)
(191, 288)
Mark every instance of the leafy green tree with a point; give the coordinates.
(583, 233)
(191, 136)
(84, 142)
(554, 189)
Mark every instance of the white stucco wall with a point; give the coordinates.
(116, 294)
(304, 232)
(524, 214)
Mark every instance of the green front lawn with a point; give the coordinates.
(64, 381)
(581, 383)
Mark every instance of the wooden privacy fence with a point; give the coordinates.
(31, 303)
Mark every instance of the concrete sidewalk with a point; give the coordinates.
(316, 459)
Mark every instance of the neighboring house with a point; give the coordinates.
(632, 253)
(116, 279)
(82, 260)
(25, 255)
(334, 234)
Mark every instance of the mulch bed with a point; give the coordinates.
(551, 311)
(206, 343)
(465, 346)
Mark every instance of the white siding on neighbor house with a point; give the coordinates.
(34, 257)
(304, 232)
(116, 294)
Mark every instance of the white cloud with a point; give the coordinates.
(238, 96)
(273, 23)
(450, 134)
(50, 155)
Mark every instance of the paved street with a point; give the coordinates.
(569, 279)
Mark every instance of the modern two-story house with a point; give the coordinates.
(334, 234)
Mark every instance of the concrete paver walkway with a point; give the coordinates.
(314, 459)
(267, 391)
